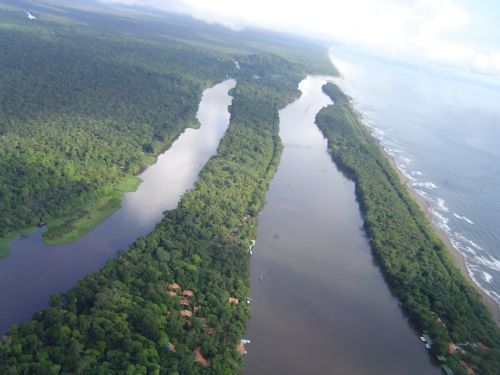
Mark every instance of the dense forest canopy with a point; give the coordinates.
(89, 95)
(88, 99)
(436, 296)
(125, 318)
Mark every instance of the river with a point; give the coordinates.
(34, 271)
(319, 302)
(442, 127)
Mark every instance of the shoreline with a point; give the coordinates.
(456, 256)
(111, 201)
(100, 209)
(434, 296)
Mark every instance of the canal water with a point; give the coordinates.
(319, 302)
(33, 271)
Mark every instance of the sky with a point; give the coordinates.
(460, 33)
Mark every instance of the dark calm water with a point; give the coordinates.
(319, 303)
(33, 271)
(443, 129)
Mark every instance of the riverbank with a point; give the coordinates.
(67, 229)
(5, 241)
(320, 291)
(70, 229)
(57, 268)
(205, 237)
(435, 295)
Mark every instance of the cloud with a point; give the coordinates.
(433, 30)
(176, 6)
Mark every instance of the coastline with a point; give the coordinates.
(433, 293)
(455, 255)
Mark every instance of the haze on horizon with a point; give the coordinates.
(456, 33)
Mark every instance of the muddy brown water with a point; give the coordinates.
(319, 302)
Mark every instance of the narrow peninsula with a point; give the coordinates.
(438, 299)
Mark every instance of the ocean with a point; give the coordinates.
(442, 127)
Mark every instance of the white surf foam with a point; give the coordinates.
(421, 193)
(440, 220)
(490, 292)
(487, 277)
(462, 248)
(479, 264)
(490, 262)
(470, 242)
(462, 217)
(441, 205)
(424, 184)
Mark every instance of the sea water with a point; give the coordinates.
(442, 127)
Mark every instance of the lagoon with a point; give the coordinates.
(33, 271)
(320, 304)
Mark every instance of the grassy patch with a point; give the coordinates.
(4, 246)
(70, 229)
(128, 185)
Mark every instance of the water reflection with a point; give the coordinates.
(34, 271)
(321, 306)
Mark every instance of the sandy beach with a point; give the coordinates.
(456, 256)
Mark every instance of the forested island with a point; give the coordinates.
(128, 317)
(83, 112)
(175, 302)
(89, 96)
(435, 295)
